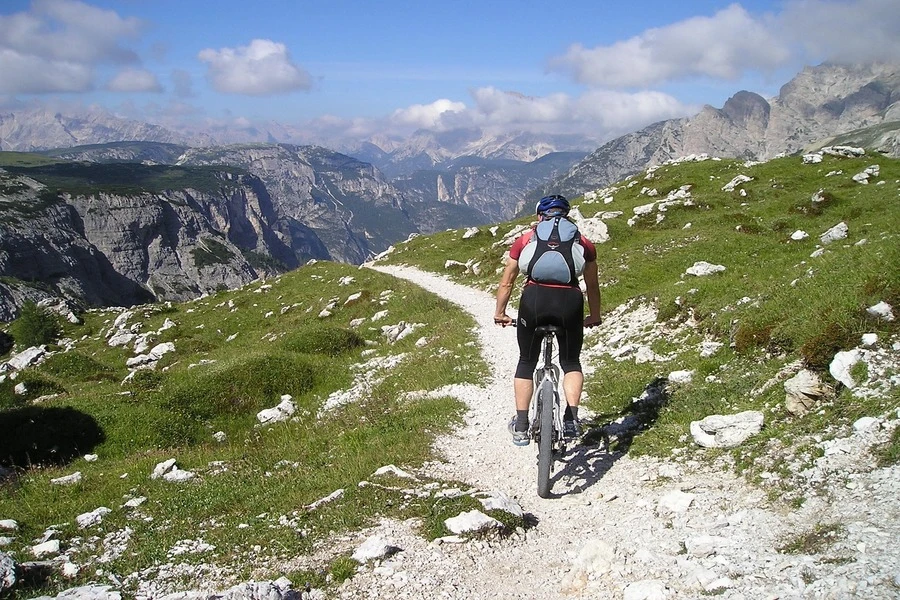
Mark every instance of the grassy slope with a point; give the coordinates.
(772, 305)
(267, 472)
(797, 305)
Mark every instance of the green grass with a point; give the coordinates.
(278, 345)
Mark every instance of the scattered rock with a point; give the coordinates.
(838, 232)
(674, 503)
(882, 310)
(803, 391)
(842, 364)
(282, 412)
(162, 468)
(7, 572)
(94, 517)
(471, 522)
(374, 548)
(726, 431)
(649, 589)
(48, 548)
(67, 479)
(702, 268)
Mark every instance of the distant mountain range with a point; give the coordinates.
(264, 207)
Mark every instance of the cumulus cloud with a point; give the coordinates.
(722, 46)
(427, 116)
(262, 68)
(134, 80)
(54, 46)
(844, 32)
(29, 74)
(599, 114)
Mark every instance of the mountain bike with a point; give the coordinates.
(546, 412)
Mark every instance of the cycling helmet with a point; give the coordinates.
(552, 205)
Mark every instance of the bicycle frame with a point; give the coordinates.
(546, 412)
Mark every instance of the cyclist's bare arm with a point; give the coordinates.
(592, 283)
(504, 291)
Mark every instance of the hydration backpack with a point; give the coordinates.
(554, 253)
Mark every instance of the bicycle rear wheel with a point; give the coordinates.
(545, 443)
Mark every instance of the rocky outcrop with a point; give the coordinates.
(122, 249)
(819, 103)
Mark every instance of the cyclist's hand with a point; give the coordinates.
(591, 321)
(503, 320)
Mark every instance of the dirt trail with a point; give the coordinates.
(619, 527)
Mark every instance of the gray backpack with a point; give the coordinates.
(554, 253)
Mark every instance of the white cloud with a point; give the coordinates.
(846, 32)
(426, 116)
(134, 80)
(724, 46)
(262, 68)
(601, 114)
(55, 46)
(28, 74)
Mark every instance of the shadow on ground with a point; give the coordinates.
(607, 441)
(46, 436)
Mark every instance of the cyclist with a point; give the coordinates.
(549, 304)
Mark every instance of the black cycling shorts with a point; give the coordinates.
(545, 305)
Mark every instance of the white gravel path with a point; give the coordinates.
(630, 528)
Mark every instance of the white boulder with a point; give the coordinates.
(702, 268)
(838, 232)
(882, 310)
(470, 522)
(842, 364)
(279, 413)
(726, 431)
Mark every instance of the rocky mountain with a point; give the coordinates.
(494, 189)
(118, 243)
(821, 102)
(40, 129)
(429, 150)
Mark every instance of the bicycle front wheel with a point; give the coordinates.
(545, 443)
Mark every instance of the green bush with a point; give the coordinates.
(76, 365)
(243, 386)
(323, 339)
(819, 350)
(35, 326)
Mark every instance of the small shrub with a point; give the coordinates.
(78, 366)
(35, 326)
(813, 542)
(889, 453)
(750, 336)
(819, 350)
(240, 387)
(323, 339)
(144, 381)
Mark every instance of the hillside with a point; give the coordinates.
(425, 386)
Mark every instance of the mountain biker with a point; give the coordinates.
(549, 304)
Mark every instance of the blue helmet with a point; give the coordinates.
(554, 204)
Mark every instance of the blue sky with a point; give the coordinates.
(356, 69)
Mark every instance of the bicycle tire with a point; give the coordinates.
(545, 443)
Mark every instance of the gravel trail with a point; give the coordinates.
(632, 528)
